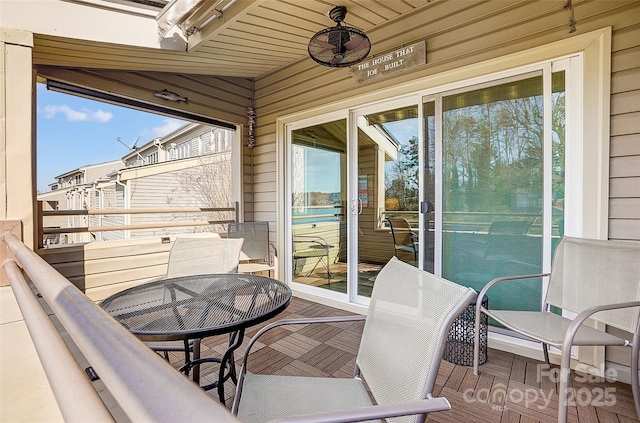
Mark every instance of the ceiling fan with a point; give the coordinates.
(339, 46)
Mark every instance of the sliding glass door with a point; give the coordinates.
(468, 184)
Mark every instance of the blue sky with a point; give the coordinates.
(74, 131)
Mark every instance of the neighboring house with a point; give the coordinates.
(190, 167)
(79, 189)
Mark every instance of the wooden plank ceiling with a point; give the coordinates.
(257, 38)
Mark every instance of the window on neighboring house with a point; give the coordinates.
(173, 152)
(184, 150)
(200, 144)
(152, 158)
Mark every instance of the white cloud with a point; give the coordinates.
(77, 115)
(170, 125)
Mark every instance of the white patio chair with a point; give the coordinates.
(195, 255)
(402, 344)
(594, 279)
(256, 250)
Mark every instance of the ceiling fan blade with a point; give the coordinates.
(323, 44)
(357, 43)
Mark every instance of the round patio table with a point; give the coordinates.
(194, 307)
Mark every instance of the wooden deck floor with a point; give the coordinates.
(510, 388)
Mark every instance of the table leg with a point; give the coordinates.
(227, 364)
(228, 359)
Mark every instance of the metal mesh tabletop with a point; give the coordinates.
(197, 306)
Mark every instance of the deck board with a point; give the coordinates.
(508, 389)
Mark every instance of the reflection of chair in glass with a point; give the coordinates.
(401, 347)
(194, 256)
(311, 247)
(256, 254)
(404, 239)
(593, 279)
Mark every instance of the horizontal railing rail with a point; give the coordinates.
(42, 230)
(144, 385)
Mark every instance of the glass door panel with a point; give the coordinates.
(388, 174)
(318, 200)
(493, 178)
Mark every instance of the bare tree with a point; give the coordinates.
(207, 185)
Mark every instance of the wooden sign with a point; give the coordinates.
(386, 64)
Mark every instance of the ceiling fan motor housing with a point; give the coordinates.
(339, 46)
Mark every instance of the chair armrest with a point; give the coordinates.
(577, 321)
(374, 412)
(567, 342)
(503, 279)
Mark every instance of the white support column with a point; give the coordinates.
(17, 134)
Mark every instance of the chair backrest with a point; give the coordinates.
(401, 231)
(588, 273)
(256, 239)
(404, 336)
(196, 256)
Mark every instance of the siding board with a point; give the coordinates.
(625, 145)
(625, 187)
(626, 80)
(624, 167)
(626, 102)
(624, 208)
(625, 59)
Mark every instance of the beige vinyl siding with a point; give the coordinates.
(624, 182)
(113, 199)
(374, 244)
(624, 204)
(170, 189)
(158, 191)
(103, 268)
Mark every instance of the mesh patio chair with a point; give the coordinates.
(402, 343)
(594, 279)
(195, 255)
(311, 247)
(404, 239)
(256, 250)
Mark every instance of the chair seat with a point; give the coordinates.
(406, 248)
(263, 396)
(550, 328)
(254, 267)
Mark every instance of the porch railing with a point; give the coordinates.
(145, 386)
(44, 231)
